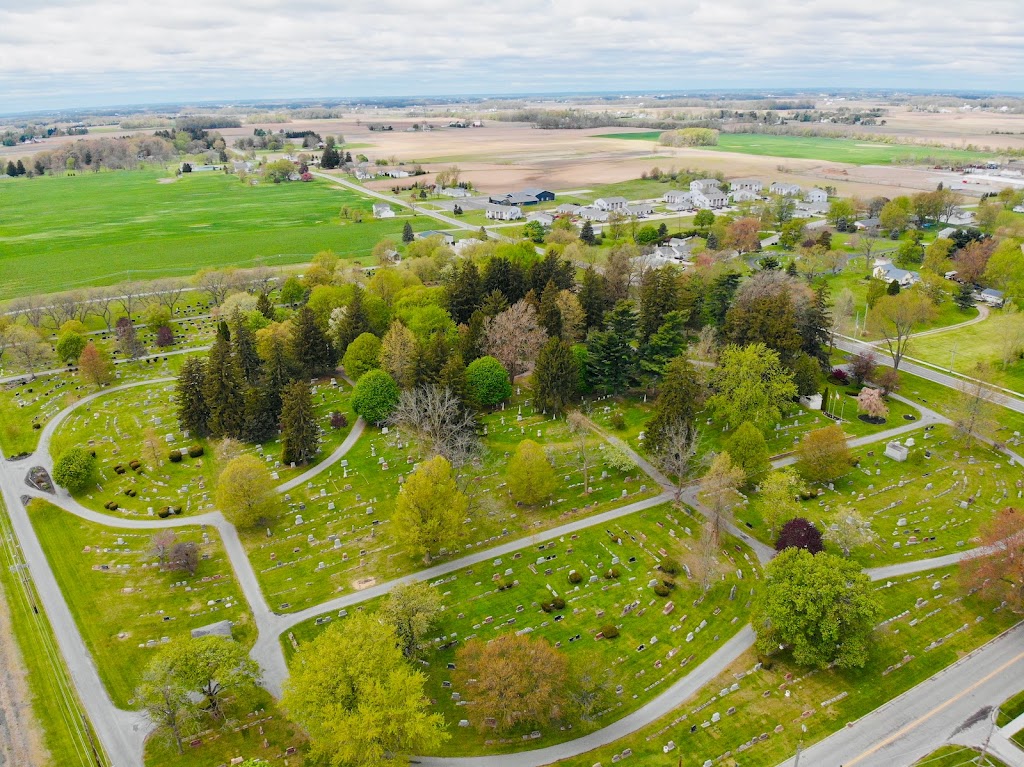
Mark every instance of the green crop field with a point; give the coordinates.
(816, 148)
(100, 228)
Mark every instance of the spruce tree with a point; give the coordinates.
(453, 377)
(310, 348)
(193, 415)
(262, 412)
(548, 315)
(555, 376)
(243, 348)
(659, 295)
(224, 389)
(506, 276)
(431, 357)
(611, 351)
(300, 433)
(407, 233)
(964, 297)
(667, 342)
(330, 157)
(813, 325)
(594, 297)
(587, 233)
(680, 397)
(355, 322)
(264, 306)
(464, 293)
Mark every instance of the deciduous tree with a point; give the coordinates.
(487, 382)
(849, 530)
(440, 421)
(750, 384)
(430, 511)
(749, 451)
(823, 455)
(529, 476)
(777, 493)
(897, 318)
(95, 366)
(413, 609)
(362, 354)
(514, 337)
(997, 568)
(245, 491)
(74, 469)
(719, 489)
(801, 534)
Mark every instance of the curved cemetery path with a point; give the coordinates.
(122, 733)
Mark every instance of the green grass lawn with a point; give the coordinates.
(958, 756)
(631, 676)
(343, 540)
(124, 604)
(100, 228)
(980, 343)
(120, 427)
(904, 653)
(852, 151)
(54, 702)
(1010, 710)
(926, 493)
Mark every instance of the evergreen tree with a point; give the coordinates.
(243, 348)
(264, 306)
(893, 289)
(193, 415)
(768, 318)
(465, 292)
(224, 389)
(594, 297)
(667, 342)
(813, 325)
(680, 398)
(20, 168)
(964, 297)
(659, 295)
(548, 315)
(310, 348)
(662, 231)
(471, 336)
(330, 159)
(587, 233)
(719, 298)
(551, 268)
(300, 433)
(407, 233)
(791, 269)
(507, 276)
(262, 412)
(611, 350)
(494, 303)
(555, 376)
(354, 323)
(453, 377)
(431, 357)
(12, 171)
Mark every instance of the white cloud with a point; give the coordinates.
(109, 51)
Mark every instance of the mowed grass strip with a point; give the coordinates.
(124, 604)
(99, 228)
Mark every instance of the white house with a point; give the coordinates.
(453, 191)
(676, 197)
(543, 218)
(816, 196)
(396, 173)
(990, 296)
(868, 223)
(502, 212)
(710, 200)
(742, 195)
(567, 209)
(704, 185)
(639, 210)
(593, 214)
(449, 239)
(888, 273)
(746, 184)
(382, 210)
(610, 203)
(786, 190)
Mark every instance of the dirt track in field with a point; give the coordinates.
(21, 738)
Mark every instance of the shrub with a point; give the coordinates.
(134, 464)
(176, 509)
(74, 469)
(195, 451)
(547, 607)
(766, 662)
(669, 566)
(338, 420)
(558, 603)
(164, 513)
(164, 336)
(609, 631)
(575, 577)
(840, 375)
(119, 469)
(618, 421)
(111, 505)
(612, 573)
(661, 589)
(174, 456)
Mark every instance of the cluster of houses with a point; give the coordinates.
(888, 272)
(508, 206)
(707, 194)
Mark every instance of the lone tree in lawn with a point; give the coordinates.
(676, 454)
(871, 404)
(819, 607)
(801, 534)
(96, 368)
(750, 452)
(719, 490)
(998, 572)
(530, 477)
(849, 530)
(309, 345)
(487, 382)
(74, 469)
(70, 346)
(212, 666)
(777, 493)
(896, 318)
(751, 384)
(300, 432)
(430, 512)
(512, 679)
(413, 609)
(190, 396)
(167, 702)
(407, 233)
(245, 491)
(128, 343)
(863, 366)
(974, 413)
(375, 396)
(555, 377)
(359, 699)
(823, 455)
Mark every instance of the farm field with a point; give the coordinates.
(125, 605)
(110, 226)
(660, 637)
(923, 629)
(851, 151)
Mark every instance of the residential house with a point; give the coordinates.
(711, 199)
(543, 218)
(705, 185)
(869, 224)
(946, 233)
(888, 273)
(592, 213)
(452, 191)
(610, 203)
(502, 212)
(816, 196)
(542, 195)
(677, 250)
(676, 197)
(382, 210)
(639, 210)
(990, 296)
(396, 172)
(567, 209)
(462, 245)
(786, 190)
(449, 239)
(743, 195)
(746, 185)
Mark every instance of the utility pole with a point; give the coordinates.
(797, 762)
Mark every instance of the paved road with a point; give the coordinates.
(933, 713)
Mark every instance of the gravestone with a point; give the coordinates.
(896, 451)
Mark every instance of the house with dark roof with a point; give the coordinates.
(542, 195)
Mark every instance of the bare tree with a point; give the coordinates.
(129, 295)
(866, 245)
(217, 283)
(677, 454)
(260, 279)
(897, 317)
(719, 489)
(28, 349)
(438, 418)
(168, 292)
(579, 427)
(161, 544)
(974, 413)
(514, 337)
(102, 301)
(707, 554)
(31, 308)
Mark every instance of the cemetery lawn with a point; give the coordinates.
(671, 643)
(81, 226)
(902, 657)
(124, 604)
(334, 535)
(935, 524)
(135, 423)
(958, 756)
(250, 723)
(1010, 710)
(54, 703)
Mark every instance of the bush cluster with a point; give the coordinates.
(195, 451)
(575, 577)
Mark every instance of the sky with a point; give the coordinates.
(82, 53)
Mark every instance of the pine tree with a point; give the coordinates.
(330, 158)
(300, 433)
(587, 233)
(813, 325)
(431, 357)
(264, 306)
(791, 269)
(464, 293)
(719, 298)
(453, 377)
(193, 415)
(548, 315)
(310, 348)
(611, 351)
(262, 412)
(506, 276)
(243, 348)
(355, 322)
(964, 297)
(659, 295)
(471, 337)
(594, 297)
(223, 389)
(407, 233)
(680, 397)
(555, 376)
(667, 342)
(551, 268)
(20, 168)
